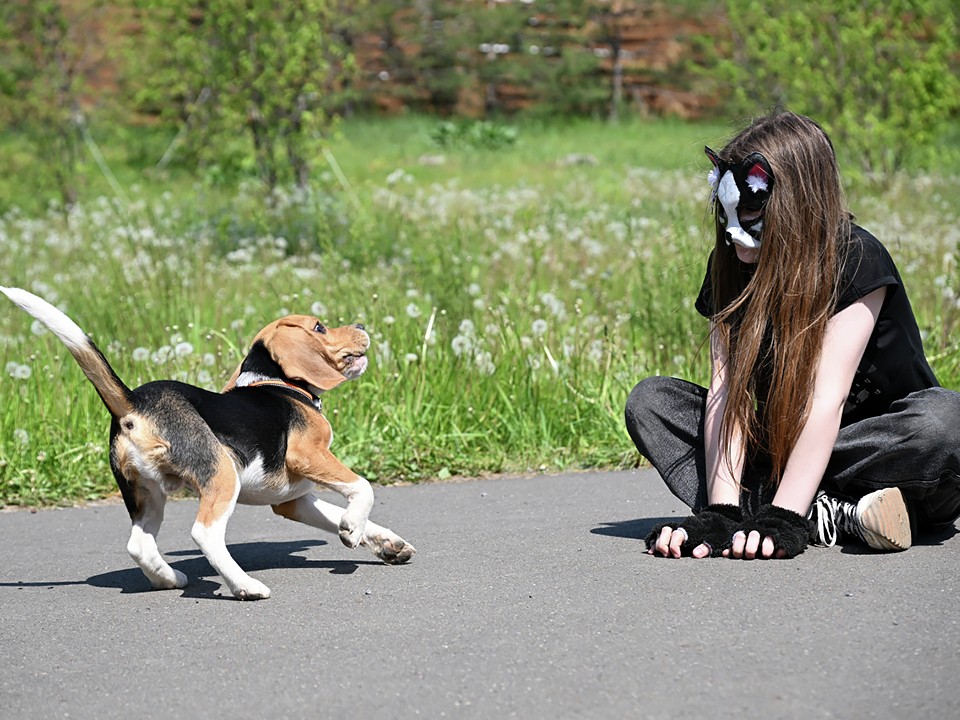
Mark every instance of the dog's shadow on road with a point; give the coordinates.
(204, 581)
(637, 529)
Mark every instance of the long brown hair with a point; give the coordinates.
(771, 323)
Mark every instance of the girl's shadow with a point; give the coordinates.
(637, 529)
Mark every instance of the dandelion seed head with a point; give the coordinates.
(461, 345)
(21, 436)
(22, 372)
(413, 311)
(539, 327)
(140, 354)
(183, 349)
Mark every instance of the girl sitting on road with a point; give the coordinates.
(823, 419)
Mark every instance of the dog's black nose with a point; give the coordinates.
(358, 326)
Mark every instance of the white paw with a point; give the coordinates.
(350, 532)
(169, 581)
(251, 589)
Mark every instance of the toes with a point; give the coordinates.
(253, 590)
(350, 533)
(397, 553)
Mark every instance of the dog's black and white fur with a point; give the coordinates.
(263, 441)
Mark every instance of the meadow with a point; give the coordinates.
(514, 293)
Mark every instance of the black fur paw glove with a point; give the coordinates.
(714, 525)
(790, 531)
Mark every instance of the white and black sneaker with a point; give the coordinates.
(879, 519)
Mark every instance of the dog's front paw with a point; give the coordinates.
(251, 589)
(351, 532)
(390, 548)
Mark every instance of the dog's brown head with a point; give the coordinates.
(310, 353)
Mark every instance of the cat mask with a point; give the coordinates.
(743, 187)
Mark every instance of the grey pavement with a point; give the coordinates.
(529, 597)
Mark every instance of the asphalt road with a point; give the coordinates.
(529, 597)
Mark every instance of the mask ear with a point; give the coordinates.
(758, 173)
(299, 361)
(713, 177)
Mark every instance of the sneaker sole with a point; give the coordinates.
(884, 520)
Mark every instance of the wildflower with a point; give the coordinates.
(398, 175)
(389, 319)
(140, 354)
(21, 436)
(461, 345)
(209, 359)
(162, 354)
(38, 328)
(318, 309)
(484, 363)
(467, 328)
(411, 358)
(183, 349)
(22, 372)
(413, 311)
(539, 327)
(204, 377)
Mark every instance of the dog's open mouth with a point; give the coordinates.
(354, 365)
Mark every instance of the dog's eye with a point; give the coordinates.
(320, 328)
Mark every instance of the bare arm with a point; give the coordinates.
(724, 465)
(723, 476)
(845, 340)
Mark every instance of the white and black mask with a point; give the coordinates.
(741, 189)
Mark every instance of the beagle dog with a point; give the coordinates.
(262, 441)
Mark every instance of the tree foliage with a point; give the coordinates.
(45, 60)
(876, 73)
(275, 72)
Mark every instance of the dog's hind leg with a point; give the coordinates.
(382, 542)
(145, 502)
(218, 498)
(142, 545)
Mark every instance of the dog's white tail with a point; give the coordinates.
(115, 395)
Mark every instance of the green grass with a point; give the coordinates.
(548, 287)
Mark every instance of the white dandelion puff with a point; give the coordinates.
(539, 327)
(21, 436)
(183, 349)
(483, 361)
(413, 311)
(461, 345)
(140, 354)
